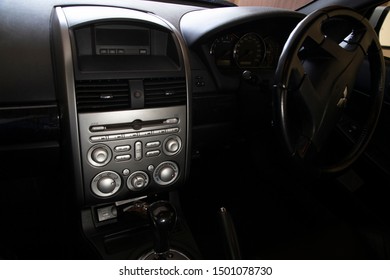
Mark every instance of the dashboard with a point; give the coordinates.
(111, 103)
(120, 96)
(125, 86)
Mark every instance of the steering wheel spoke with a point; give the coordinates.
(314, 105)
(342, 55)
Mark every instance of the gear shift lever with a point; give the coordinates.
(163, 218)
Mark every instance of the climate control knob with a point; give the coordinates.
(138, 181)
(166, 173)
(106, 183)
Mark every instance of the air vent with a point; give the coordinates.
(102, 95)
(164, 92)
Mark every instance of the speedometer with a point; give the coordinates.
(249, 51)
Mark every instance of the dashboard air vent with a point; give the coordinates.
(102, 95)
(164, 92)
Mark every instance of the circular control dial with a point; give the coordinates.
(172, 145)
(166, 173)
(106, 183)
(138, 181)
(99, 155)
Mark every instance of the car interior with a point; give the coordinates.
(194, 130)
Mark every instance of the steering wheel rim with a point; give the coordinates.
(318, 72)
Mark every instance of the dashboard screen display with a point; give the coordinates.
(122, 37)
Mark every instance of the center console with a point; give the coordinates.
(123, 88)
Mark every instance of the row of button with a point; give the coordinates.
(112, 137)
(124, 157)
(138, 153)
(121, 51)
(125, 148)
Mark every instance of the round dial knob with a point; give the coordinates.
(138, 181)
(172, 145)
(99, 155)
(166, 173)
(106, 183)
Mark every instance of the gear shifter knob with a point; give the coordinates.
(163, 218)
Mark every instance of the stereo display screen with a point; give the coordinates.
(122, 37)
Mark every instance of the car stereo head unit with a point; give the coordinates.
(132, 153)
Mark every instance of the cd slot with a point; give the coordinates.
(135, 125)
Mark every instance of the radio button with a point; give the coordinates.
(116, 137)
(97, 128)
(99, 138)
(172, 130)
(151, 168)
(131, 135)
(159, 131)
(138, 150)
(145, 133)
(122, 157)
(171, 121)
(153, 153)
(153, 144)
(123, 148)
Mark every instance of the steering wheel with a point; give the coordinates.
(314, 83)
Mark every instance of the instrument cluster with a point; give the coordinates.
(249, 51)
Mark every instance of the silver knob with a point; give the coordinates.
(138, 181)
(99, 155)
(106, 184)
(166, 173)
(172, 145)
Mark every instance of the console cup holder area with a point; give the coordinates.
(144, 230)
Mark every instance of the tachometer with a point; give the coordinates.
(249, 51)
(222, 50)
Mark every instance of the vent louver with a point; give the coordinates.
(102, 95)
(164, 92)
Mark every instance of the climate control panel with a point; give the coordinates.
(131, 153)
